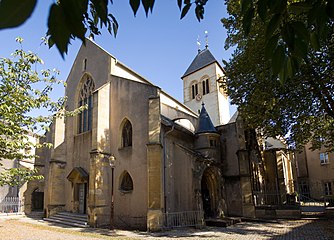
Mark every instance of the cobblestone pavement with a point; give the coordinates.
(22, 228)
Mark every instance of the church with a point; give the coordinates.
(136, 157)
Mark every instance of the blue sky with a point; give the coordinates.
(160, 47)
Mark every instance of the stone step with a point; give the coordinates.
(69, 219)
(62, 222)
(69, 215)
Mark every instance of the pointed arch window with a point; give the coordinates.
(86, 98)
(126, 182)
(127, 134)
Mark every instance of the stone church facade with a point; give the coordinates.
(138, 158)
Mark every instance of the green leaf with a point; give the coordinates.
(134, 5)
(245, 6)
(58, 30)
(179, 4)
(330, 9)
(301, 30)
(288, 34)
(247, 20)
(114, 24)
(101, 7)
(148, 5)
(262, 9)
(300, 48)
(273, 25)
(74, 16)
(271, 45)
(299, 7)
(185, 10)
(315, 43)
(199, 11)
(278, 60)
(15, 12)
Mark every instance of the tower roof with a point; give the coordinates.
(202, 59)
(205, 124)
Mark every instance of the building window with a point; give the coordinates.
(126, 182)
(324, 158)
(127, 134)
(84, 65)
(194, 90)
(328, 188)
(213, 143)
(205, 86)
(86, 99)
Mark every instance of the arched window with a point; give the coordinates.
(205, 86)
(86, 98)
(194, 90)
(126, 182)
(127, 134)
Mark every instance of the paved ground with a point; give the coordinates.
(22, 228)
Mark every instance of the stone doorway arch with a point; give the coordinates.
(209, 192)
(79, 178)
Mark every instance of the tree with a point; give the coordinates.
(22, 90)
(292, 29)
(300, 107)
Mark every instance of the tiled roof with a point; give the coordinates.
(203, 59)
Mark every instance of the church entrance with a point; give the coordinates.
(79, 178)
(81, 197)
(209, 193)
(37, 200)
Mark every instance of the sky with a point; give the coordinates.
(159, 47)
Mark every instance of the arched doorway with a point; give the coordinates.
(37, 200)
(79, 178)
(209, 193)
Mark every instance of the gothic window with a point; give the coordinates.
(194, 90)
(86, 99)
(126, 182)
(205, 86)
(127, 134)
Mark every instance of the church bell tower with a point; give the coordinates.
(202, 83)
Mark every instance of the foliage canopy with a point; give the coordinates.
(300, 107)
(22, 90)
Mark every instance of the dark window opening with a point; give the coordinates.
(194, 90)
(126, 182)
(205, 86)
(127, 134)
(213, 143)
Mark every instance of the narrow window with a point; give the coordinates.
(194, 90)
(86, 99)
(205, 86)
(127, 134)
(323, 158)
(84, 65)
(328, 188)
(126, 182)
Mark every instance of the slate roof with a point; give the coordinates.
(205, 124)
(203, 59)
